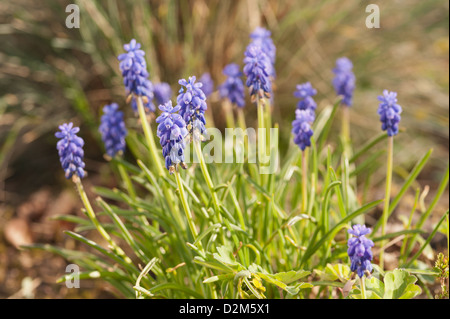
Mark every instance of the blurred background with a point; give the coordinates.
(50, 74)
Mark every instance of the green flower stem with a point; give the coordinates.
(262, 179)
(241, 118)
(205, 172)
(261, 125)
(91, 214)
(149, 137)
(209, 116)
(126, 178)
(209, 182)
(270, 180)
(384, 217)
(347, 145)
(243, 126)
(268, 120)
(260, 106)
(186, 208)
(154, 154)
(229, 117)
(363, 287)
(304, 182)
(346, 128)
(89, 210)
(304, 203)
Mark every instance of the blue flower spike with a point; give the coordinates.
(257, 70)
(360, 250)
(192, 102)
(208, 84)
(301, 128)
(172, 133)
(70, 150)
(113, 130)
(262, 38)
(389, 112)
(344, 81)
(233, 87)
(135, 76)
(305, 93)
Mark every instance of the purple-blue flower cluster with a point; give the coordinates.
(172, 132)
(301, 128)
(360, 250)
(233, 87)
(305, 92)
(192, 102)
(304, 115)
(135, 75)
(208, 84)
(70, 150)
(389, 112)
(344, 80)
(262, 38)
(113, 130)
(257, 69)
(162, 92)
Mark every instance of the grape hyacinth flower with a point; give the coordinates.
(305, 92)
(172, 132)
(135, 75)
(192, 102)
(344, 80)
(208, 84)
(162, 92)
(112, 129)
(233, 87)
(301, 128)
(389, 112)
(70, 150)
(262, 38)
(359, 250)
(257, 69)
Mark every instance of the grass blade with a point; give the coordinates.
(408, 264)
